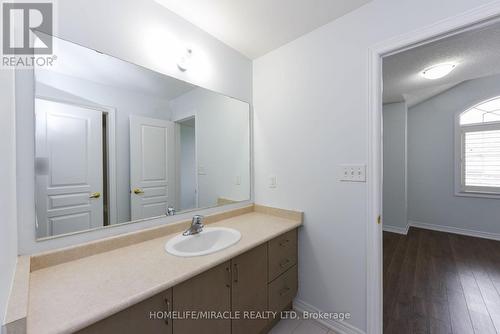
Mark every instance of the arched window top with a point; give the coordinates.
(484, 112)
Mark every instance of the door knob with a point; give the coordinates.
(138, 191)
(95, 195)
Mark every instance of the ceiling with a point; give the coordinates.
(476, 52)
(86, 64)
(255, 27)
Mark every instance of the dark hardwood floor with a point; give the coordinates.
(438, 282)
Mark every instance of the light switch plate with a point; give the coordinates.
(273, 181)
(352, 173)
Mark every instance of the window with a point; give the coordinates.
(479, 130)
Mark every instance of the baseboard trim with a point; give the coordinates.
(455, 230)
(340, 327)
(397, 229)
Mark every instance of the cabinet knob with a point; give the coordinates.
(284, 263)
(167, 302)
(284, 242)
(228, 277)
(284, 291)
(236, 274)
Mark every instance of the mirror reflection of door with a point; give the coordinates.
(69, 167)
(105, 100)
(188, 182)
(151, 169)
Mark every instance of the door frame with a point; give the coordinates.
(483, 15)
(178, 152)
(111, 129)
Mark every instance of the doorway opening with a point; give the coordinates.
(441, 183)
(188, 178)
(105, 168)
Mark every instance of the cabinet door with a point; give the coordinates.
(138, 318)
(209, 291)
(249, 292)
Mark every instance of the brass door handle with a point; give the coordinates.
(138, 191)
(95, 195)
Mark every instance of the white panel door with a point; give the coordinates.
(151, 167)
(68, 168)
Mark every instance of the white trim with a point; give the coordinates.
(439, 30)
(177, 124)
(477, 194)
(341, 327)
(112, 186)
(397, 229)
(177, 139)
(374, 265)
(455, 230)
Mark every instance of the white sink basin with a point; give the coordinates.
(210, 240)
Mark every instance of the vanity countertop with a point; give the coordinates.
(69, 296)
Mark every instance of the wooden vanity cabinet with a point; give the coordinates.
(138, 318)
(249, 289)
(262, 279)
(282, 254)
(283, 275)
(209, 291)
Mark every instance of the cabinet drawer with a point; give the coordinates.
(282, 290)
(282, 254)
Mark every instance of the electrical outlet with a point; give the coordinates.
(273, 182)
(352, 173)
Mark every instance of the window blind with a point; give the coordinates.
(482, 158)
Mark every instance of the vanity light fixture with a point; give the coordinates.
(185, 60)
(438, 71)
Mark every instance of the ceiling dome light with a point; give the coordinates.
(185, 60)
(438, 71)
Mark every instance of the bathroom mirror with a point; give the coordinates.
(118, 143)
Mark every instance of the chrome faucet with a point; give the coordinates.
(196, 226)
(170, 211)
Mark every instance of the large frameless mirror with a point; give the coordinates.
(117, 143)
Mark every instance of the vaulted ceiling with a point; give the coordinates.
(255, 27)
(476, 52)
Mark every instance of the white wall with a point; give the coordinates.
(394, 147)
(310, 115)
(8, 227)
(431, 165)
(145, 33)
(222, 144)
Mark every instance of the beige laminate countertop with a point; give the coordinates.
(70, 296)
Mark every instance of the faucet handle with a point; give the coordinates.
(198, 220)
(170, 211)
